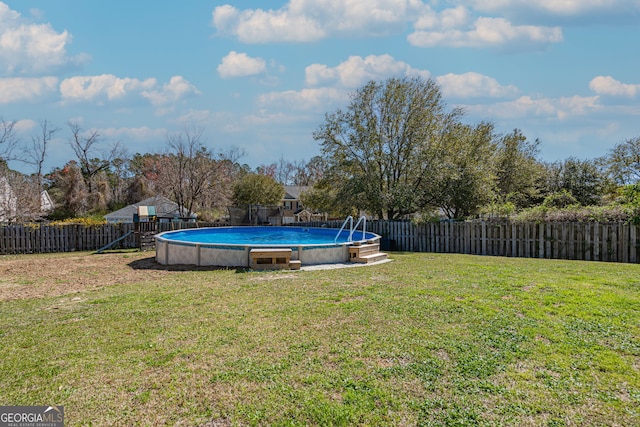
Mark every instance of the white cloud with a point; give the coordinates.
(473, 85)
(449, 18)
(331, 85)
(101, 88)
(557, 7)
(259, 26)
(28, 49)
(7, 15)
(108, 88)
(528, 107)
(142, 133)
(24, 126)
(482, 32)
(178, 88)
(26, 89)
(356, 71)
(311, 20)
(607, 85)
(240, 65)
(306, 99)
(196, 116)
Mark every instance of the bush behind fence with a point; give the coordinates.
(613, 242)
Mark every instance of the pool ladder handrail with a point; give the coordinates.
(352, 228)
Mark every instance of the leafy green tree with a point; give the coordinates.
(469, 178)
(519, 174)
(256, 189)
(323, 197)
(384, 150)
(623, 162)
(560, 200)
(630, 195)
(583, 179)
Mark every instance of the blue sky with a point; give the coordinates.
(261, 78)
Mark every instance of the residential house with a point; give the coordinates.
(8, 201)
(291, 202)
(46, 202)
(12, 206)
(294, 210)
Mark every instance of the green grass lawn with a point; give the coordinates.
(428, 339)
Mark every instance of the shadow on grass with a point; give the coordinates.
(150, 263)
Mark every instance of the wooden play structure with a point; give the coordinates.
(145, 226)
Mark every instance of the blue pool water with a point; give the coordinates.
(271, 236)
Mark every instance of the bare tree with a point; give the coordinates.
(120, 176)
(190, 174)
(84, 145)
(94, 164)
(311, 172)
(36, 154)
(70, 190)
(8, 139)
(192, 168)
(285, 173)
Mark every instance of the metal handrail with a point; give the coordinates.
(362, 219)
(352, 228)
(344, 224)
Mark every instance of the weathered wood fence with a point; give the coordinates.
(30, 239)
(614, 242)
(27, 239)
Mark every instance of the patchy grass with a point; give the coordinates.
(430, 340)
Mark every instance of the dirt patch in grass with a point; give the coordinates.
(34, 276)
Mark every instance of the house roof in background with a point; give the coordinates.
(165, 208)
(292, 192)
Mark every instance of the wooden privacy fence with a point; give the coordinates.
(615, 242)
(27, 239)
(30, 239)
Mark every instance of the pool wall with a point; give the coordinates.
(172, 252)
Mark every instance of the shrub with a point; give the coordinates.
(84, 221)
(497, 211)
(575, 213)
(560, 199)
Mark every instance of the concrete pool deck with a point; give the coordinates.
(340, 265)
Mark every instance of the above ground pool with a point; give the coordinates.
(231, 246)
